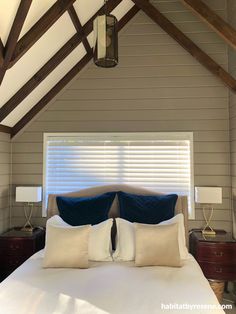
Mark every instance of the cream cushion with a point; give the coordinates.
(99, 245)
(157, 245)
(66, 246)
(125, 239)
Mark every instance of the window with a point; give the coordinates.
(158, 161)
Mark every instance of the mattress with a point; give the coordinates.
(107, 287)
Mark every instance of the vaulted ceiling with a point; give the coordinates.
(44, 44)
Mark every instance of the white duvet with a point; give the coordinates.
(106, 287)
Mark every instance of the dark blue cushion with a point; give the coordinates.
(147, 209)
(78, 211)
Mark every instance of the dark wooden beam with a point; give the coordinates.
(5, 129)
(186, 43)
(40, 27)
(38, 77)
(127, 17)
(225, 30)
(110, 6)
(14, 34)
(78, 27)
(1, 53)
(66, 79)
(52, 93)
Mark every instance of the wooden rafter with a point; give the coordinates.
(40, 27)
(38, 77)
(52, 93)
(5, 129)
(186, 43)
(14, 34)
(75, 19)
(66, 79)
(225, 30)
(1, 53)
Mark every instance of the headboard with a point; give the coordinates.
(181, 205)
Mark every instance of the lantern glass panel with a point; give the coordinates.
(105, 41)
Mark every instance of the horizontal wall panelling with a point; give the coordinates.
(157, 86)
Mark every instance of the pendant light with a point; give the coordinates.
(105, 49)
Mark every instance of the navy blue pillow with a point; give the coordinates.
(78, 211)
(147, 209)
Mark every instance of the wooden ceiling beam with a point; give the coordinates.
(40, 27)
(67, 78)
(225, 30)
(52, 93)
(38, 77)
(186, 43)
(110, 6)
(1, 53)
(5, 129)
(14, 34)
(49, 66)
(75, 19)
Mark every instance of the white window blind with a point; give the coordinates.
(157, 161)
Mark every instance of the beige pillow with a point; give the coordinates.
(66, 246)
(157, 245)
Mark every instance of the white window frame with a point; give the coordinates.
(124, 136)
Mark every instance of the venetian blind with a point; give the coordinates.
(157, 161)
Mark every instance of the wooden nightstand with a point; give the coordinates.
(16, 246)
(216, 255)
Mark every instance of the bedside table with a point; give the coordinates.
(216, 256)
(16, 246)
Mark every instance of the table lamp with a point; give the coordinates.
(208, 195)
(29, 195)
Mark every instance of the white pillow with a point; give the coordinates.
(66, 246)
(125, 239)
(99, 244)
(179, 219)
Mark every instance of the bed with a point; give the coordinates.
(107, 287)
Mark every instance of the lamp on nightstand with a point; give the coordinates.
(29, 195)
(208, 195)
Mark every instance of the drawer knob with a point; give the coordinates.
(218, 270)
(219, 253)
(14, 246)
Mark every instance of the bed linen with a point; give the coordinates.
(106, 287)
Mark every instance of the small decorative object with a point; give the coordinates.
(208, 195)
(105, 49)
(30, 195)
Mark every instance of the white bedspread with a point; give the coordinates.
(107, 287)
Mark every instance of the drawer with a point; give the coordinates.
(220, 253)
(16, 245)
(16, 252)
(218, 271)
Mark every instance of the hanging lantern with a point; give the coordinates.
(105, 49)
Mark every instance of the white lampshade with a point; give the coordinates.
(29, 194)
(208, 195)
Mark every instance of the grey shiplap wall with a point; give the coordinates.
(5, 161)
(156, 87)
(232, 110)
